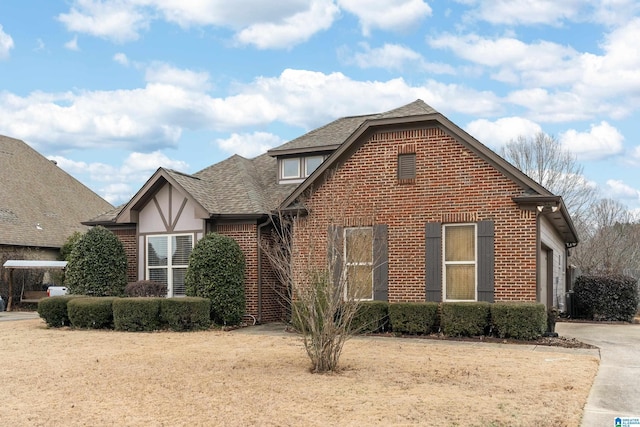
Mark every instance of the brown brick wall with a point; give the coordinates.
(129, 240)
(247, 237)
(452, 185)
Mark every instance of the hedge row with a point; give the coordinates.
(505, 320)
(607, 297)
(126, 314)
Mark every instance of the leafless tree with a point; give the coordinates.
(324, 299)
(543, 159)
(610, 240)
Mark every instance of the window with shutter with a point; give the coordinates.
(459, 261)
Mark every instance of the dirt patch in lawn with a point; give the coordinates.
(93, 378)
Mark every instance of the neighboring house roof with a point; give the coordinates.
(249, 187)
(40, 204)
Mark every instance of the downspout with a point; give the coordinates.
(538, 247)
(259, 237)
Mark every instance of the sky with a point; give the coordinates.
(112, 90)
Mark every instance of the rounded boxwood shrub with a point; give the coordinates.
(185, 314)
(91, 312)
(136, 314)
(371, 316)
(413, 317)
(53, 310)
(216, 271)
(465, 318)
(523, 321)
(145, 288)
(97, 265)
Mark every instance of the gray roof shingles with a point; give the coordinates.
(240, 186)
(40, 204)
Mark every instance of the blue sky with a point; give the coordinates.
(112, 90)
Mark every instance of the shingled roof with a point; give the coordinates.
(40, 204)
(331, 136)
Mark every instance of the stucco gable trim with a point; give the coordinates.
(129, 213)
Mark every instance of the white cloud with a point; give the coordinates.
(117, 188)
(6, 44)
(541, 63)
(393, 15)
(121, 59)
(291, 30)
(72, 44)
(173, 100)
(498, 133)
(527, 12)
(599, 142)
(618, 189)
(392, 57)
(263, 24)
(249, 145)
(165, 74)
(119, 20)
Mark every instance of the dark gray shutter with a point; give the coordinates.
(380, 263)
(485, 261)
(433, 261)
(335, 251)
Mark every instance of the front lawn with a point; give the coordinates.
(77, 377)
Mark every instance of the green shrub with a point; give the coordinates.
(54, 310)
(523, 321)
(91, 312)
(145, 288)
(607, 297)
(371, 316)
(216, 271)
(465, 318)
(69, 244)
(136, 314)
(185, 314)
(413, 317)
(97, 265)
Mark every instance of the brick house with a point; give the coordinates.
(446, 219)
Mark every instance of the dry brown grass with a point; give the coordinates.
(94, 378)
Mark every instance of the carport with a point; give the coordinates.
(13, 264)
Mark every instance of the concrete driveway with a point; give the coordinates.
(616, 390)
(17, 315)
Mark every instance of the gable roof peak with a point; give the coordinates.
(415, 108)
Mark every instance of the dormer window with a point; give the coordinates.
(290, 168)
(296, 169)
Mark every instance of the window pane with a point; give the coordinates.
(291, 168)
(460, 243)
(178, 282)
(181, 246)
(312, 163)
(461, 282)
(360, 281)
(157, 251)
(359, 245)
(158, 275)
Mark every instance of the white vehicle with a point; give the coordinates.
(53, 291)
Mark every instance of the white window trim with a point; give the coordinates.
(348, 264)
(169, 267)
(445, 262)
(282, 169)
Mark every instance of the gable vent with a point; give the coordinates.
(407, 167)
